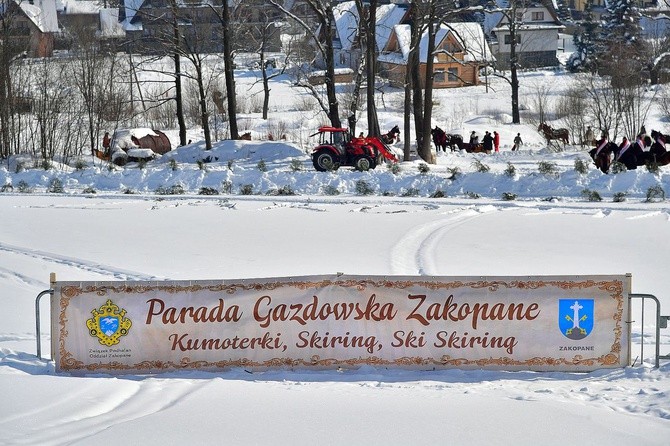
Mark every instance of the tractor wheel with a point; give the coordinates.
(364, 163)
(324, 161)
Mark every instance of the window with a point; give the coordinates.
(537, 16)
(508, 39)
(439, 76)
(453, 74)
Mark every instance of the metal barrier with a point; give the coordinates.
(37, 321)
(661, 322)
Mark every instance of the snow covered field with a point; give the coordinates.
(400, 228)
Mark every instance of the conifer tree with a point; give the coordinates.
(587, 44)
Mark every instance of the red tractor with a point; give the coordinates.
(338, 148)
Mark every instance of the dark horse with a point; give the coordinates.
(603, 157)
(441, 139)
(657, 152)
(392, 136)
(550, 133)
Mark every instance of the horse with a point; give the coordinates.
(603, 157)
(392, 136)
(550, 133)
(441, 139)
(246, 136)
(657, 152)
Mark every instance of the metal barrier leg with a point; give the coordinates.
(37, 321)
(658, 325)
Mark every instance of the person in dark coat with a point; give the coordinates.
(517, 142)
(600, 145)
(106, 141)
(628, 154)
(658, 147)
(487, 141)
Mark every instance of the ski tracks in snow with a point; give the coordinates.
(89, 412)
(415, 253)
(91, 267)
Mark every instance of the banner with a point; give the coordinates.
(566, 323)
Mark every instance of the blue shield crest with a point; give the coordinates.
(575, 317)
(109, 325)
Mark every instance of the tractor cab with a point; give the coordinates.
(334, 136)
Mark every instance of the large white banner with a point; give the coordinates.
(567, 323)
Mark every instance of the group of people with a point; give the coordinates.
(631, 153)
(491, 142)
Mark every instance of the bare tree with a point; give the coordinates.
(9, 51)
(93, 71)
(229, 66)
(323, 11)
(368, 25)
(601, 103)
(571, 108)
(512, 20)
(261, 36)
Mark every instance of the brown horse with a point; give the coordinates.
(246, 136)
(441, 139)
(550, 133)
(392, 136)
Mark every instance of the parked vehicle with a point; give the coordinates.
(338, 148)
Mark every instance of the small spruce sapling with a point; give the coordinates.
(581, 166)
(655, 193)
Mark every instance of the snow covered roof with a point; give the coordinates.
(110, 26)
(79, 6)
(387, 17)
(131, 7)
(346, 22)
(42, 13)
(469, 34)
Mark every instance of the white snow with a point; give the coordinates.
(400, 230)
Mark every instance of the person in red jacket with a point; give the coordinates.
(496, 141)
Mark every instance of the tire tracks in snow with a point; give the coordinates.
(92, 267)
(415, 253)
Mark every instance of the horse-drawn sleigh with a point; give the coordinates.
(454, 141)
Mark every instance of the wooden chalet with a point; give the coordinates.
(461, 50)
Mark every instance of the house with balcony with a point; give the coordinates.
(460, 52)
(537, 35)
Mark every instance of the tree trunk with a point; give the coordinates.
(229, 73)
(407, 112)
(266, 82)
(413, 65)
(329, 59)
(371, 68)
(425, 151)
(513, 60)
(179, 100)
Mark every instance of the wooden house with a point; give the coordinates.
(460, 52)
(33, 24)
